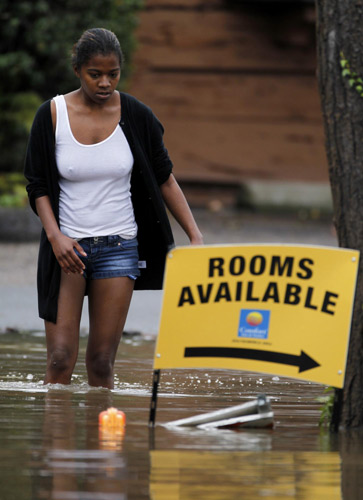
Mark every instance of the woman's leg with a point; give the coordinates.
(63, 337)
(109, 301)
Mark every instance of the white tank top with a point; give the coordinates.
(94, 182)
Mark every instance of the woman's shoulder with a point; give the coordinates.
(42, 122)
(135, 105)
(43, 112)
(45, 108)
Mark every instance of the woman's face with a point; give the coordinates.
(99, 77)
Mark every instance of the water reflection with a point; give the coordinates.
(215, 439)
(51, 446)
(350, 446)
(76, 463)
(248, 475)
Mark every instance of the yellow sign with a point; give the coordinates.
(279, 309)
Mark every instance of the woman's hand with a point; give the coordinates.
(63, 248)
(197, 239)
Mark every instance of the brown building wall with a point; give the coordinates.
(235, 89)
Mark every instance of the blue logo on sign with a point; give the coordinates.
(254, 323)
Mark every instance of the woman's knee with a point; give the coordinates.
(100, 365)
(61, 360)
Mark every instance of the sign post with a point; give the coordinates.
(278, 309)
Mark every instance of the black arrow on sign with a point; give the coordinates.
(303, 361)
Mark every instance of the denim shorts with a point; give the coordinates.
(109, 257)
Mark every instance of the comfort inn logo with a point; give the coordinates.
(254, 324)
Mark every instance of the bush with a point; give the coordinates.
(12, 190)
(17, 113)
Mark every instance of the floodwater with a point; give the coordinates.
(52, 448)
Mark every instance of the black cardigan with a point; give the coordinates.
(152, 167)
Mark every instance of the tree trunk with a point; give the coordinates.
(340, 29)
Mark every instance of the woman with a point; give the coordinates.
(99, 175)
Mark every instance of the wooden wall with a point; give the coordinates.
(235, 89)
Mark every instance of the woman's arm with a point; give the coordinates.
(179, 208)
(63, 247)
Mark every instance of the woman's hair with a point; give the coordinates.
(95, 41)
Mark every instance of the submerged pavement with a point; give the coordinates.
(18, 301)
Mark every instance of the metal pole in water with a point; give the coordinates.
(154, 397)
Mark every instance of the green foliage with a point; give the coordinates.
(327, 408)
(37, 38)
(17, 113)
(35, 50)
(354, 80)
(12, 190)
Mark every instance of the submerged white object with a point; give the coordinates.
(256, 413)
(256, 420)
